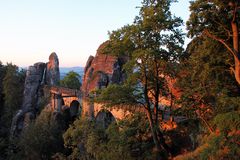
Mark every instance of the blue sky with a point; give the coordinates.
(31, 29)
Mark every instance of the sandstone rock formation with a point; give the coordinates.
(102, 70)
(34, 77)
(52, 71)
(37, 76)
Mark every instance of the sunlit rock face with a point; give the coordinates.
(52, 71)
(102, 70)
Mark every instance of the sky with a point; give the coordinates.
(30, 30)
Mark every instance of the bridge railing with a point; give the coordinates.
(64, 91)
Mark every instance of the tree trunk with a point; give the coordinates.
(150, 119)
(163, 142)
(156, 105)
(157, 92)
(235, 31)
(237, 70)
(236, 49)
(158, 138)
(153, 130)
(199, 114)
(210, 129)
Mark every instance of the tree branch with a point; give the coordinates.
(228, 31)
(207, 33)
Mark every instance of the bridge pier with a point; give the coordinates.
(87, 109)
(56, 102)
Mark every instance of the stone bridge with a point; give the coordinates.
(63, 98)
(72, 99)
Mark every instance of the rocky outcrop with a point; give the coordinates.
(88, 64)
(34, 77)
(52, 71)
(102, 70)
(37, 76)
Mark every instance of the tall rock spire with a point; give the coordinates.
(37, 76)
(52, 71)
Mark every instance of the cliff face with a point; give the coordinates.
(37, 76)
(102, 70)
(105, 69)
(33, 79)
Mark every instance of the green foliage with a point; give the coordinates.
(71, 80)
(218, 20)
(227, 122)
(119, 95)
(130, 137)
(13, 84)
(4, 143)
(205, 79)
(2, 75)
(76, 137)
(214, 15)
(224, 144)
(41, 139)
(127, 140)
(209, 91)
(153, 44)
(11, 93)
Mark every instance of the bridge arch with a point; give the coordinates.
(75, 108)
(63, 103)
(104, 118)
(117, 113)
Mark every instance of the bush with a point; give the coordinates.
(127, 140)
(41, 139)
(223, 144)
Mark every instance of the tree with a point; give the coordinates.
(41, 139)
(11, 93)
(13, 85)
(153, 44)
(76, 137)
(71, 80)
(218, 20)
(209, 92)
(2, 75)
(126, 140)
(207, 88)
(224, 144)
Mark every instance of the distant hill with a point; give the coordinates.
(65, 70)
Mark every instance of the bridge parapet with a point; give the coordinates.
(65, 92)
